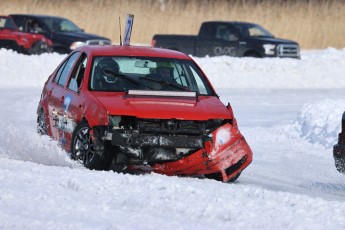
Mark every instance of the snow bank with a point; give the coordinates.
(319, 122)
(18, 70)
(291, 183)
(315, 70)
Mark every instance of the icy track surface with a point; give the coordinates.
(288, 110)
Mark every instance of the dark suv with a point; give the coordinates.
(66, 36)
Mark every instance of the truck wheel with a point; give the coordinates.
(37, 48)
(41, 124)
(14, 46)
(91, 154)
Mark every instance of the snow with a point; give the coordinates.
(288, 110)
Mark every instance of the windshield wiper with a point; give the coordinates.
(167, 83)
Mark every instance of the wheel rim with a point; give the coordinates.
(83, 146)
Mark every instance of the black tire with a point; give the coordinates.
(91, 155)
(219, 177)
(340, 164)
(37, 48)
(41, 124)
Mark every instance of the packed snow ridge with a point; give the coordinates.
(288, 110)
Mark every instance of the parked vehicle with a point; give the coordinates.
(237, 39)
(66, 36)
(12, 38)
(339, 149)
(146, 108)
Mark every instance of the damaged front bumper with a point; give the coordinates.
(224, 151)
(227, 153)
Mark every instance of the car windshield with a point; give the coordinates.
(61, 25)
(7, 23)
(253, 30)
(143, 73)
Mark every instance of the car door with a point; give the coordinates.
(57, 97)
(222, 41)
(72, 110)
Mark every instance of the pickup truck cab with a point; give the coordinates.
(237, 39)
(66, 36)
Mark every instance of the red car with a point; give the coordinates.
(12, 38)
(140, 108)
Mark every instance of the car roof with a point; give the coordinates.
(139, 51)
(35, 15)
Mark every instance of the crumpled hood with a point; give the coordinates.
(183, 108)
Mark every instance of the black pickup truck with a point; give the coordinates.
(238, 39)
(65, 35)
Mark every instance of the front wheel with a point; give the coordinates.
(91, 154)
(41, 124)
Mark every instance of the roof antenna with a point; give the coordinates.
(120, 31)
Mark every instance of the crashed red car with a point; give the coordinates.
(144, 108)
(12, 38)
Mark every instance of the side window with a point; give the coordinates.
(67, 69)
(226, 33)
(57, 77)
(199, 82)
(34, 26)
(78, 74)
(222, 32)
(180, 76)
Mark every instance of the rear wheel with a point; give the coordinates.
(38, 48)
(91, 154)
